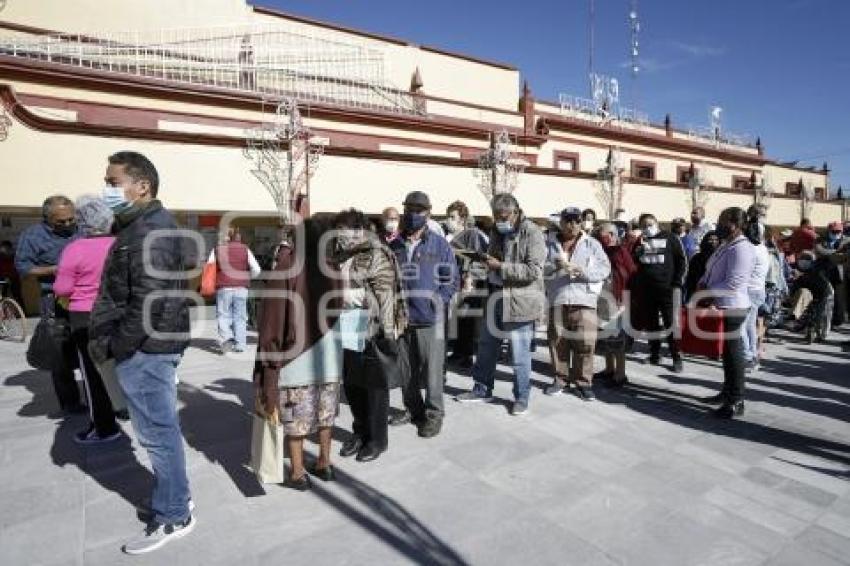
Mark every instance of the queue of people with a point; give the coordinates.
(359, 307)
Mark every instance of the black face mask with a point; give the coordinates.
(65, 230)
(413, 221)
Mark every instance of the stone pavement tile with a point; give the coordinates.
(688, 474)
(841, 506)
(732, 445)
(550, 478)
(356, 545)
(25, 503)
(808, 493)
(712, 457)
(605, 512)
(110, 522)
(48, 538)
(764, 478)
(797, 555)
(678, 541)
(634, 439)
(481, 456)
(826, 541)
(839, 524)
(717, 518)
(574, 423)
(601, 458)
(527, 539)
(774, 498)
(756, 512)
(806, 475)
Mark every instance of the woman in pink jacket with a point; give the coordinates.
(78, 282)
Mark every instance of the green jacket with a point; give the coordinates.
(523, 254)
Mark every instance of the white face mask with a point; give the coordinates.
(454, 225)
(650, 231)
(391, 226)
(587, 225)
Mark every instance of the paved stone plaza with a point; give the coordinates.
(642, 476)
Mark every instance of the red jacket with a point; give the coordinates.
(802, 239)
(232, 265)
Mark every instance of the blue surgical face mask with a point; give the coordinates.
(413, 221)
(114, 198)
(504, 227)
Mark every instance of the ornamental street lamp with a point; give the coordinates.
(284, 156)
(498, 167)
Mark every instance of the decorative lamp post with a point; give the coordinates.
(807, 195)
(5, 121)
(697, 197)
(762, 192)
(284, 157)
(498, 167)
(610, 181)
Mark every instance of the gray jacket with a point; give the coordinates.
(523, 254)
(561, 288)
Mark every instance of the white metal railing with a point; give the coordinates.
(591, 110)
(275, 62)
(706, 135)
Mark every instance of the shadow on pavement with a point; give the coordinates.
(40, 385)
(390, 522)
(684, 410)
(220, 429)
(114, 466)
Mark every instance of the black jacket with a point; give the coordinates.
(661, 262)
(129, 314)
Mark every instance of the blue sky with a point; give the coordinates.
(780, 69)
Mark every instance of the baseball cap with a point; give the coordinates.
(571, 213)
(417, 198)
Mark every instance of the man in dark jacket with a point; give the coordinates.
(141, 319)
(429, 280)
(39, 248)
(662, 265)
(468, 240)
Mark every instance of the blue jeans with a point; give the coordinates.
(749, 331)
(231, 309)
(148, 384)
(494, 330)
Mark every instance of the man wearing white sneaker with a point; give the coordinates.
(141, 319)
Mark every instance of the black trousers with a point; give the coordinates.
(468, 329)
(368, 397)
(662, 301)
(100, 406)
(64, 383)
(733, 355)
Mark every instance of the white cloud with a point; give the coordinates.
(699, 50)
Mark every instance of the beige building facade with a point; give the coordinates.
(433, 115)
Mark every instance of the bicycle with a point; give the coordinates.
(13, 323)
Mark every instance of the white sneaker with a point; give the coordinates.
(156, 536)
